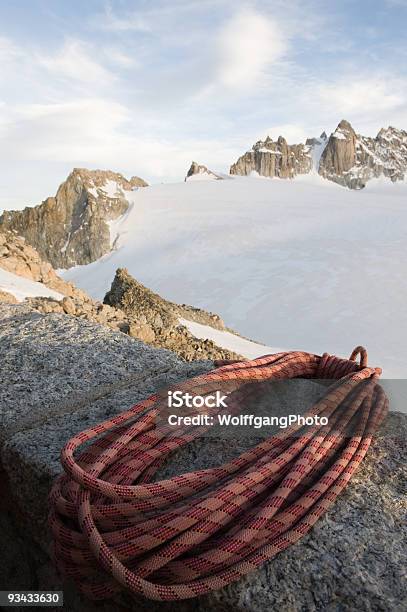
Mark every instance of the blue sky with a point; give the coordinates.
(144, 87)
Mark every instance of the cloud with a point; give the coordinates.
(97, 133)
(247, 45)
(64, 131)
(8, 50)
(145, 91)
(75, 62)
(292, 132)
(117, 57)
(110, 22)
(12, 58)
(364, 95)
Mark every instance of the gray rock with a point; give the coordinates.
(52, 363)
(31, 457)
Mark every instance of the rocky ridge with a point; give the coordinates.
(20, 258)
(72, 227)
(352, 160)
(200, 172)
(274, 159)
(129, 307)
(346, 158)
(156, 320)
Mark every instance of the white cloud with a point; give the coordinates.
(64, 131)
(145, 92)
(75, 62)
(8, 50)
(363, 95)
(293, 133)
(110, 22)
(116, 56)
(97, 133)
(247, 45)
(12, 58)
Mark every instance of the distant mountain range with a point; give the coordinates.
(76, 226)
(346, 157)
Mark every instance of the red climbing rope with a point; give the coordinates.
(114, 528)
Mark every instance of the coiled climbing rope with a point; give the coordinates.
(114, 528)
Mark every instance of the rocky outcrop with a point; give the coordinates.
(129, 306)
(7, 298)
(72, 227)
(20, 258)
(201, 173)
(156, 320)
(274, 159)
(339, 155)
(83, 307)
(346, 158)
(140, 313)
(352, 160)
(312, 142)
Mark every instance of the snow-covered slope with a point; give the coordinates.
(202, 176)
(301, 264)
(229, 341)
(22, 287)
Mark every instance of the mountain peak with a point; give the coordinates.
(201, 173)
(274, 159)
(347, 158)
(392, 134)
(71, 227)
(344, 125)
(99, 178)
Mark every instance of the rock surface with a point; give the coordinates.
(351, 159)
(274, 159)
(352, 560)
(346, 158)
(135, 310)
(7, 298)
(72, 227)
(51, 361)
(86, 309)
(131, 308)
(155, 320)
(200, 172)
(20, 258)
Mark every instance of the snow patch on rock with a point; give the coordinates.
(23, 288)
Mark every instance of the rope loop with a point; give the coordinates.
(359, 350)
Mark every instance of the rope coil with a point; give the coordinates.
(114, 528)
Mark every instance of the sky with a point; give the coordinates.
(145, 87)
